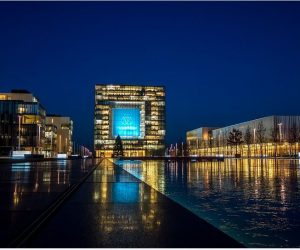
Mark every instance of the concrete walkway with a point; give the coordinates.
(114, 209)
(27, 189)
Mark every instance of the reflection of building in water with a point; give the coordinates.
(266, 136)
(149, 171)
(29, 178)
(279, 177)
(116, 195)
(135, 113)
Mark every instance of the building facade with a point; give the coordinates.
(135, 113)
(266, 136)
(59, 133)
(22, 123)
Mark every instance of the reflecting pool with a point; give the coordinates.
(255, 201)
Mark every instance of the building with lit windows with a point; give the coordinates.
(22, 122)
(50, 146)
(266, 136)
(135, 113)
(59, 132)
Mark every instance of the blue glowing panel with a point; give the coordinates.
(125, 192)
(126, 122)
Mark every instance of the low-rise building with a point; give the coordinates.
(50, 145)
(266, 136)
(59, 135)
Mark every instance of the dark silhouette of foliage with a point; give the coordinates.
(275, 136)
(118, 147)
(248, 138)
(235, 139)
(293, 136)
(261, 135)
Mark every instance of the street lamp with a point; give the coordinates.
(39, 137)
(280, 134)
(219, 139)
(51, 153)
(19, 142)
(59, 143)
(254, 140)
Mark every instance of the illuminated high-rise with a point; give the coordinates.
(135, 113)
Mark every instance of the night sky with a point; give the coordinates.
(221, 62)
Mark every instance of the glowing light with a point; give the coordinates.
(19, 154)
(124, 192)
(126, 122)
(61, 156)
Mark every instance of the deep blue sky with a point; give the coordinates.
(221, 62)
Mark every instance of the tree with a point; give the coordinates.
(275, 137)
(261, 131)
(235, 139)
(248, 139)
(118, 147)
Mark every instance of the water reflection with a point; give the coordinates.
(118, 190)
(24, 185)
(255, 201)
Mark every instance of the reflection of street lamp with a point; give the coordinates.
(19, 143)
(280, 135)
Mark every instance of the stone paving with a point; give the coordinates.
(28, 188)
(114, 209)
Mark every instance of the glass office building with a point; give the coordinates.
(135, 113)
(22, 122)
(266, 136)
(59, 133)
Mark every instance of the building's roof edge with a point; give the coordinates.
(125, 84)
(240, 123)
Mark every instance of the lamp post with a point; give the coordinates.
(280, 134)
(51, 153)
(211, 146)
(219, 143)
(254, 140)
(39, 137)
(59, 143)
(19, 141)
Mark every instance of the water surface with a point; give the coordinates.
(257, 202)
